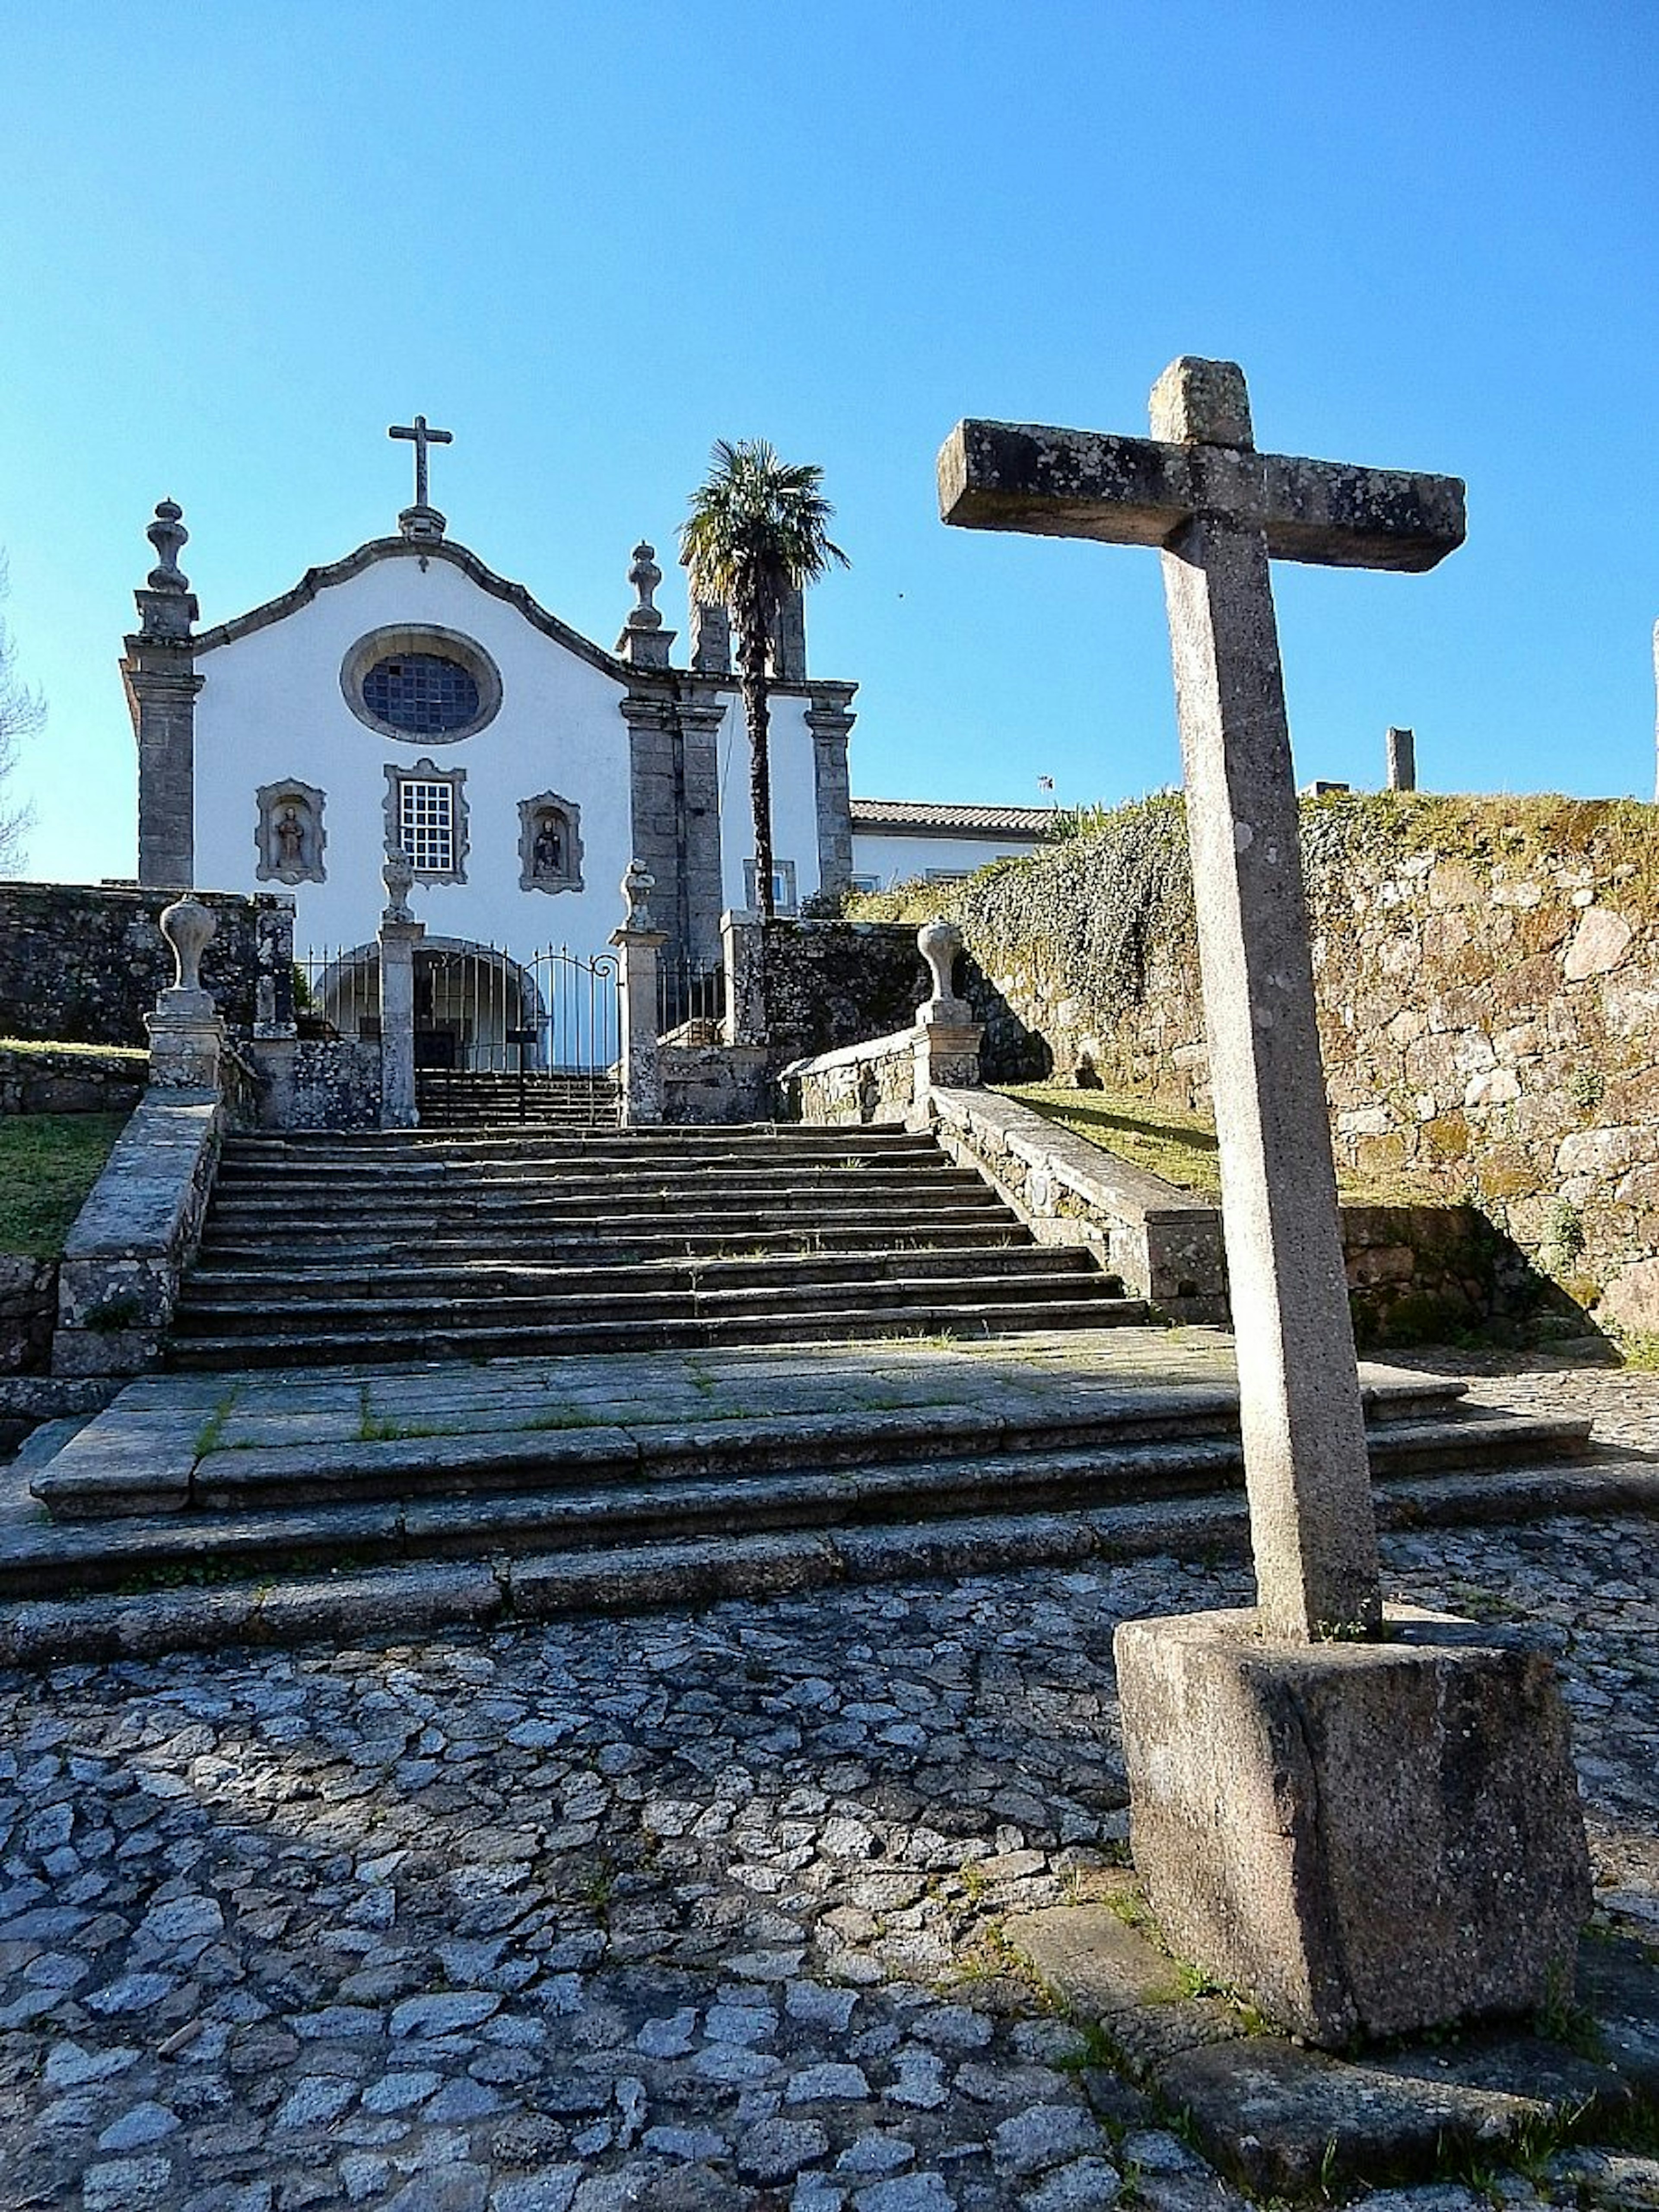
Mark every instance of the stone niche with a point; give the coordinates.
(290, 836)
(549, 843)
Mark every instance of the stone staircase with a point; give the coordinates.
(205, 1509)
(440, 1244)
(481, 1101)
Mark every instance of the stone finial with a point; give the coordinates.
(167, 534)
(637, 886)
(187, 925)
(644, 575)
(938, 942)
(397, 874)
(167, 605)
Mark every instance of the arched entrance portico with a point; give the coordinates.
(479, 1011)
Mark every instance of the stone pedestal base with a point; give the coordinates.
(186, 1038)
(1367, 1839)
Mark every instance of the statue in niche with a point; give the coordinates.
(549, 845)
(547, 857)
(290, 835)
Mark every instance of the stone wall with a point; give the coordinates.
(70, 1082)
(860, 1083)
(313, 1083)
(28, 1315)
(835, 983)
(82, 963)
(1487, 972)
(124, 1258)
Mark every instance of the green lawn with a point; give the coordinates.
(1179, 1145)
(48, 1162)
(1165, 1141)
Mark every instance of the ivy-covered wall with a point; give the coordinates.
(1487, 972)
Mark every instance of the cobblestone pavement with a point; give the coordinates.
(691, 1911)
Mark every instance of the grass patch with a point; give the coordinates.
(48, 1164)
(40, 1046)
(1167, 1141)
(1179, 1145)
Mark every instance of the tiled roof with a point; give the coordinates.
(917, 818)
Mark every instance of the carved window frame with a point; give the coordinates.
(570, 876)
(268, 799)
(426, 770)
(420, 637)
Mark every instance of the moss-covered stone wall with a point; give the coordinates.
(1487, 972)
(82, 963)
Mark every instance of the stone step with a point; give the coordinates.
(221, 1287)
(652, 1213)
(608, 1295)
(1198, 1432)
(645, 1539)
(929, 1312)
(711, 1236)
(763, 1138)
(284, 1602)
(389, 1178)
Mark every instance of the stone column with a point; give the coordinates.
(743, 953)
(831, 722)
(159, 674)
(274, 1029)
(947, 1037)
(186, 1037)
(638, 945)
(399, 934)
(1402, 760)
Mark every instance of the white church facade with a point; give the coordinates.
(407, 697)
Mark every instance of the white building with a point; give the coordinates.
(408, 697)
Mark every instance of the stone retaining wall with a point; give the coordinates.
(28, 1315)
(874, 1082)
(835, 983)
(83, 962)
(124, 1259)
(70, 1082)
(1488, 973)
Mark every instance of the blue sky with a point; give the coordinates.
(240, 240)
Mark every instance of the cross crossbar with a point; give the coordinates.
(1140, 491)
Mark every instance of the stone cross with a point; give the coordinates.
(1219, 511)
(422, 438)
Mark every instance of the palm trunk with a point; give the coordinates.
(758, 714)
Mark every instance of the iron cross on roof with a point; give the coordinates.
(422, 438)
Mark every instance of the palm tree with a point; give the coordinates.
(757, 529)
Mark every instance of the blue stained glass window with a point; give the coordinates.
(423, 693)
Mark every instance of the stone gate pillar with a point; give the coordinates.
(399, 934)
(638, 945)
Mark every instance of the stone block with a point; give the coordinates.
(1367, 1838)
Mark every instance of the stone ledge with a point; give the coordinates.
(1165, 1244)
(1289, 2122)
(123, 1258)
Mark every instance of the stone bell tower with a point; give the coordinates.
(159, 672)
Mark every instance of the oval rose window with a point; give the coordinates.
(425, 693)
